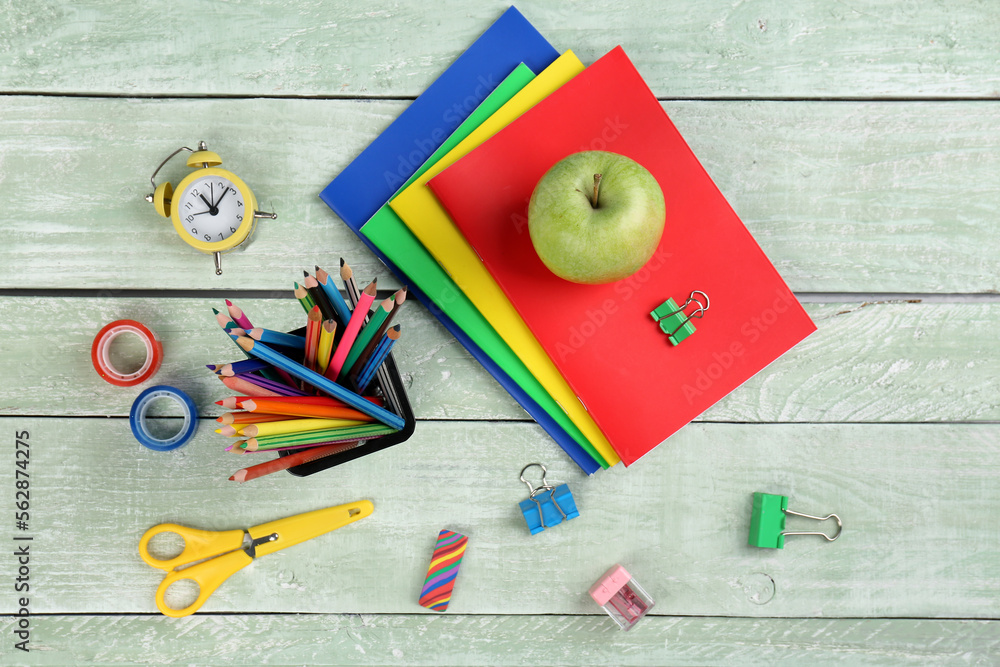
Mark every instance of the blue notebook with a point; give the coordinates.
(368, 182)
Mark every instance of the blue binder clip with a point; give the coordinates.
(546, 505)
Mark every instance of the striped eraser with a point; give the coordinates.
(448, 552)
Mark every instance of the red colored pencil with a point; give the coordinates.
(353, 327)
(290, 461)
(238, 315)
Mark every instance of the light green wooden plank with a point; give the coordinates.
(48, 342)
(867, 363)
(868, 197)
(685, 48)
(452, 639)
(917, 502)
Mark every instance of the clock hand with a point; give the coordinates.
(211, 208)
(224, 193)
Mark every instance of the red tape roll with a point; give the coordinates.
(99, 353)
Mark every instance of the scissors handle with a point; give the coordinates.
(209, 575)
(198, 544)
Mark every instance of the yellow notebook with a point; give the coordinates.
(424, 215)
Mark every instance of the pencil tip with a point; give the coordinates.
(218, 402)
(342, 261)
(228, 302)
(305, 273)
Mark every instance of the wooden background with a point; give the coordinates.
(857, 140)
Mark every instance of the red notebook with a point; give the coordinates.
(639, 388)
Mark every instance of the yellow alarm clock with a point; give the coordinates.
(212, 209)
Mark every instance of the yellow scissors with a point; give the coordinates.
(210, 557)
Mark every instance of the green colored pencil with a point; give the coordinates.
(369, 331)
(360, 432)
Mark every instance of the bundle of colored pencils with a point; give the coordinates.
(309, 394)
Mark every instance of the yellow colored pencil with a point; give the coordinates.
(294, 426)
(325, 348)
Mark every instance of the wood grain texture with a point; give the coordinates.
(686, 48)
(842, 196)
(918, 504)
(876, 362)
(454, 639)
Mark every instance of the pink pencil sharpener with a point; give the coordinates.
(621, 597)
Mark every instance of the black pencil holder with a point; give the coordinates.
(388, 385)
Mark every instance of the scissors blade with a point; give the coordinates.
(301, 527)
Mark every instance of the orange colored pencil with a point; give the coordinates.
(240, 385)
(313, 327)
(351, 332)
(304, 410)
(290, 461)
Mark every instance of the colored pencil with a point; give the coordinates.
(240, 385)
(351, 287)
(347, 275)
(236, 401)
(398, 299)
(277, 407)
(314, 323)
(334, 295)
(378, 356)
(320, 382)
(353, 328)
(302, 294)
(292, 426)
(238, 315)
(319, 296)
(224, 321)
(366, 335)
(277, 387)
(365, 431)
(250, 417)
(290, 461)
(325, 348)
(227, 430)
(239, 367)
(279, 338)
(246, 449)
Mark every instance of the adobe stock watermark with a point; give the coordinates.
(423, 148)
(595, 318)
(751, 331)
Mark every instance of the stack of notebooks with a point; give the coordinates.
(441, 198)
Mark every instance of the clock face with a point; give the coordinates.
(211, 209)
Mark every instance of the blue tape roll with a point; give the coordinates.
(137, 418)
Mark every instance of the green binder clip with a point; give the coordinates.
(675, 321)
(767, 522)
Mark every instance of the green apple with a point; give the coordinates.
(596, 217)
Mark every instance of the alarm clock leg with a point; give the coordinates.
(218, 263)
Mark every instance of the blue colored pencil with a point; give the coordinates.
(275, 358)
(239, 367)
(271, 337)
(378, 356)
(336, 298)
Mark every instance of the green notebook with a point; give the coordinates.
(390, 235)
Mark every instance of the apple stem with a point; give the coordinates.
(597, 186)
